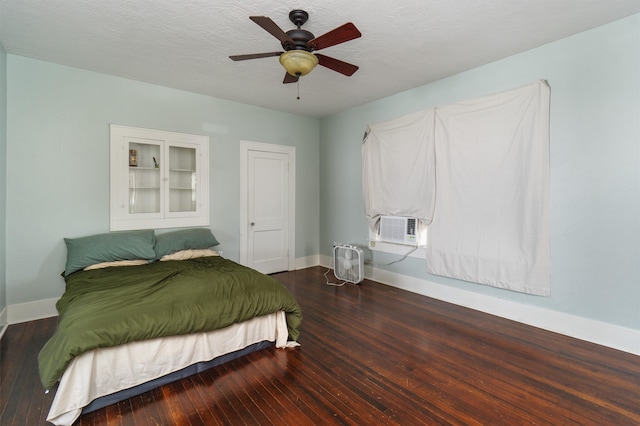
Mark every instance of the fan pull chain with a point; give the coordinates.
(298, 98)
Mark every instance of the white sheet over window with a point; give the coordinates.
(398, 168)
(491, 223)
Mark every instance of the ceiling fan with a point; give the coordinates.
(298, 58)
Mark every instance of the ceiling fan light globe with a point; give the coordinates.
(298, 62)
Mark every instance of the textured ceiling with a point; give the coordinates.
(186, 44)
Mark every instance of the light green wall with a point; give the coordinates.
(595, 168)
(58, 185)
(58, 162)
(3, 177)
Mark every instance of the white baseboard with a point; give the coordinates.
(307, 262)
(3, 321)
(610, 335)
(30, 311)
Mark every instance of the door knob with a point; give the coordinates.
(252, 223)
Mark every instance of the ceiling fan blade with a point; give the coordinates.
(272, 28)
(288, 78)
(254, 56)
(339, 35)
(336, 64)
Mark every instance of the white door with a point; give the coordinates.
(268, 219)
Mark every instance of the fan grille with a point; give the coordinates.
(348, 263)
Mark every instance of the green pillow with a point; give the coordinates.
(193, 238)
(125, 245)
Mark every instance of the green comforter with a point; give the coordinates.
(112, 306)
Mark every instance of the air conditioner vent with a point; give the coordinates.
(399, 230)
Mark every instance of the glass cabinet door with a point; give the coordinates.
(144, 177)
(182, 179)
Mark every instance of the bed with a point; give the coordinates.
(141, 310)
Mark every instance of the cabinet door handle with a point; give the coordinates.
(252, 223)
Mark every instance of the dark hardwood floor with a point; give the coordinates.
(370, 354)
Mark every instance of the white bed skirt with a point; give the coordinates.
(104, 371)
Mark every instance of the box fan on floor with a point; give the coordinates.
(348, 263)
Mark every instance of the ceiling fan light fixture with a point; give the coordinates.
(298, 62)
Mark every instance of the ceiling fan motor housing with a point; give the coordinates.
(300, 37)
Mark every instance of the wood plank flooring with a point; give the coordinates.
(370, 354)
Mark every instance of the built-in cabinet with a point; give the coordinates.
(158, 179)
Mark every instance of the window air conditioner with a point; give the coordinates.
(399, 230)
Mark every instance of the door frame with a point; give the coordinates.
(290, 151)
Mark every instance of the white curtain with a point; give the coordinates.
(398, 168)
(491, 222)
